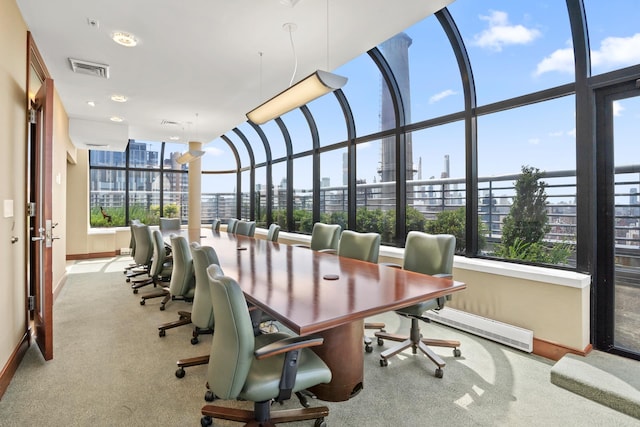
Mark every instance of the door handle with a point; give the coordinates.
(37, 238)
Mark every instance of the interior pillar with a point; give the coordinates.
(195, 188)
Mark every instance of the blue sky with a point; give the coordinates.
(515, 47)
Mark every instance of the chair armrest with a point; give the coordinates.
(286, 345)
(443, 275)
(327, 251)
(301, 245)
(391, 264)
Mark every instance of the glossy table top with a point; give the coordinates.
(310, 291)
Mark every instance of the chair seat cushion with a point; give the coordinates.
(264, 376)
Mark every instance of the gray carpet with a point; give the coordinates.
(110, 368)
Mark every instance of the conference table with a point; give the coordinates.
(311, 292)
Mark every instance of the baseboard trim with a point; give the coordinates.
(74, 257)
(58, 288)
(11, 367)
(555, 351)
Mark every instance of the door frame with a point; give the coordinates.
(604, 316)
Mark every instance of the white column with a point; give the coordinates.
(195, 188)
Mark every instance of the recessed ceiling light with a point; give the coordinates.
(118, 98)
(174, 138)
(91, 103)
(116, 119)
(124, 39)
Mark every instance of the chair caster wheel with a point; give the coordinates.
(209, 396)
(439, 373)
(457, 352)
(368, 348)
(135, 291)
(320, 422)
(128, 280)
(180, 373)
(162, 308)
(206, 421)
(142, 302)
(162, 333)
(380, 342)
(194, 340)
(384, 362)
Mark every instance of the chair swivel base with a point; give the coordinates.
(159, 293)
(249, 417)
(416, 342)
(184, 318)
(191, 361)
(367, 340)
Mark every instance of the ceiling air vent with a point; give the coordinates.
(169, 123)
(89, 68)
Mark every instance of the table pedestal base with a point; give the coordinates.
(342, 351)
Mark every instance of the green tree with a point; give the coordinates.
(454, 222)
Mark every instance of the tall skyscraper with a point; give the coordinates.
(396, 52)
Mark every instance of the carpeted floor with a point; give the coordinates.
(110, 368)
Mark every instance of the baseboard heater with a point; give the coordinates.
(510, 335)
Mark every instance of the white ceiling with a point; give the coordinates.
(197, 62)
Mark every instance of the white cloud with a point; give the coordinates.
(558, 133)
(572, 132)
(214, 151)
(534, 141)
(617, 108)
(613, 51)
(440, 96)
(501, 33)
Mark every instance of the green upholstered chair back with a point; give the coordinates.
(202, 310)
(273, 233)
(325, 236)
(158, 267)
(246, 228)
(232, 224)
(182, 278)
(362, 246)
(429, 253)
(233, 342)
(144, 246)
(215, 225)
(169, 224)
(132, 240)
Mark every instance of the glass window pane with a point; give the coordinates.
(218, 157)
(436, 190)
(171, 153)
(107, 191)
(329, 119)
(257, 146)
(515, 47)
(175, 200)
(364, 91)
(425, 67)
(246, 195)
(245, 161)
(303, 194)
(275, 138)
(614, 34)
(107, 158)
(144, 154)
(511, 140)
(218, 196)
(298, 130)
(144, 196)
(261, 196)
(279, 206)
(375, 188)
(333, 187)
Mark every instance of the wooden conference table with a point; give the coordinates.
(317, 293)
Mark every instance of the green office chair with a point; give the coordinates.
(132, 247)
(215, 225)
(182, 285)
(160, 272)
(433, 255)
(365, 247)
(246, 228)
(273, 232)
(261, 369)
(232, 223)
(202, 310)
(143, 251)
(168, 225)
(324, 237)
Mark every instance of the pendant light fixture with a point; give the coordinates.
(306, 90)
